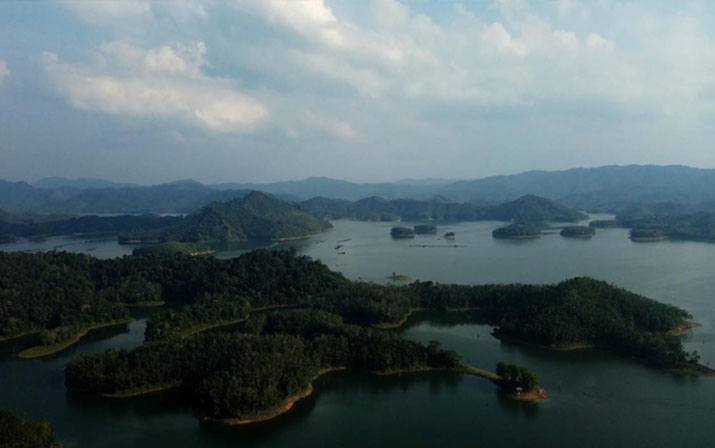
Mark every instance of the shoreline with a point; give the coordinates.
(683, 327)
(129, 393)
(535, 396)
(153, 304)
(403, 320)
(39, 351)
(201, 328)
(291, 238)
(21, 335)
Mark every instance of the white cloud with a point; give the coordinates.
(498, 36)
(332, 126)
(163, 82)
(4, 70)
(599, 42)
(390, 13)
(113, 13)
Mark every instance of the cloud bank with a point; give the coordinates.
(165, 81)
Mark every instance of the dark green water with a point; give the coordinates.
(597, 399)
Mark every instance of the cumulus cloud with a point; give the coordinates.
(162, 82)
(332, 126)
(121, 12)
(4, 70)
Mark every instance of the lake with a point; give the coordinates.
(597, 399)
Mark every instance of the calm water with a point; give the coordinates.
(597, 399)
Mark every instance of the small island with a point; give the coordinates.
(578, 232)
(647, 235)
(402, 232)
(425, 229)
(517, 230)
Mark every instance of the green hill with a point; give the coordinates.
(532, 208)
(527, 208)
(255, 216)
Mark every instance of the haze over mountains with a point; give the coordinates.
(608, 188)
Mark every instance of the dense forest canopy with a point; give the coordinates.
(525, 208)
(255, 216)
(578, 231)
(28, 226)
(17, 431)
(517, 230)
(55, 291)
(242, 373)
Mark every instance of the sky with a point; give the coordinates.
(363, 90)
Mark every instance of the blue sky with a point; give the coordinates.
(265, 90)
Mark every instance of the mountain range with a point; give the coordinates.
(608, 188)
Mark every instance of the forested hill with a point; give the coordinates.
(59, 294)
(12, 226)
(177, 197)
(528, 208)
(255, 216)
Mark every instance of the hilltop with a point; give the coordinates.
(529, 208)
(255, 216)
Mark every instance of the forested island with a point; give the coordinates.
(255, 216)
(330, 323)
(402, 232)
(526, 208)
(657, 222)
(578, 232)
(60, 292)
(517, 230)
(18, 431)
(13, 226)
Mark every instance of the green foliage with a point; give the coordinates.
(402, 232)
(59, 293)
(239, 375)
(517, 230)
(12, 226)
(513, 377)
(646, 223)
(578, 232)
(526, 208)
(18, 431)
(54, 292)
(255, 216)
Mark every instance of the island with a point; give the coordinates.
(425, 229)
(19, 431)
(402, 232)
(289, 319)
(265, 366)
(578, 232)
(525, 208)
(37, 227)
(517, 230)
(256, 216)
(647, 234)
